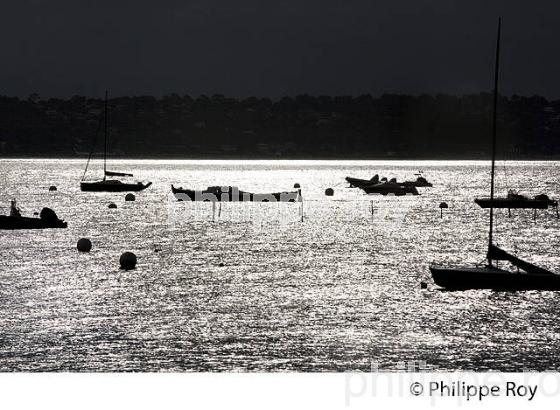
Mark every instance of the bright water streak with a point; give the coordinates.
(261, 290)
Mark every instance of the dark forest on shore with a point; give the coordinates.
(363, 127)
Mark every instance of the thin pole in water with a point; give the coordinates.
(213, 211)
(494, 128)
(105, 150)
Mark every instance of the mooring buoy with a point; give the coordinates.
(52, 188)
(329, 192)
(112, 206)
(128, 261)
(129, 197)
(84, 245)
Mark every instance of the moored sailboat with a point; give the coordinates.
(490, 276)
(527, 276)
(110, 185)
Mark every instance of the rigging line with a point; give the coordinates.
(105, 149)
(504, 159)
(92, 148)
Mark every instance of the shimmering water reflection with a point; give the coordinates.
(259, 290)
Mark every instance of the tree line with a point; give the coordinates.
(304, 126)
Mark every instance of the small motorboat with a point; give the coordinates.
(47, 219)
(357, 182)
(514, 200)
(420, 182)
(390, 188)
(233, 194)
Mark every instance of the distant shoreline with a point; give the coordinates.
(291, 158)
(387, 127)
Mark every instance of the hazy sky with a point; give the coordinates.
(275, 48)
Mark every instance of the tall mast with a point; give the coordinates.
(494, 126)
(105, 150)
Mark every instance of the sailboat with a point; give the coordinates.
(110, 185)
(490, 276)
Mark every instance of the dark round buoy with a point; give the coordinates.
(296, 185)
(128, 261)
(112, 206)
(423, 285)
(329, 192)
(52, 188)
(129, 197)
(84, 245)
(221, 265)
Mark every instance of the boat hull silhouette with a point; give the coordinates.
(232, 194)
(490, 277)
(113, 186)
(420, 182)
(389, 188)
(508, 203)
(22, 222)
(358, 182)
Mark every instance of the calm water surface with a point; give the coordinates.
(260, 290)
